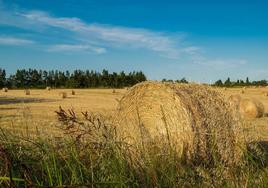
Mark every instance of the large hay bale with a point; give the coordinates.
(192, 119)
(251, 108)
(27, 92)
(5, 89)
(63, 95)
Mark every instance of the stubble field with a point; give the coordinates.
(33, 113)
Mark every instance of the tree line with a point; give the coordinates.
(33, 78)
(239, 83)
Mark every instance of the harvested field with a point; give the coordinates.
(41, 105)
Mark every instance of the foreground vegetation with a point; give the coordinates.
(92, 155)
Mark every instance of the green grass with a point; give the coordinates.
(94, 157)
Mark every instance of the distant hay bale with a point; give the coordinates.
(27, 92)
(114, 91)
(5, 89)
(48, 88)
(251, 108)
(192, 119)
(225, 89)
(73, 92)
(265, 93)
(242, 91)
(63, 95)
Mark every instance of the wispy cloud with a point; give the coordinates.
(165, 44)
(74, 48)
(108, 35)
(220, 63)
(7, 40)
(99, 38)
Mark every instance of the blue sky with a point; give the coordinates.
(200, 40)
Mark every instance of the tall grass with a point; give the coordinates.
(91, 155)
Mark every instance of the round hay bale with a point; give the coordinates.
(48, 88)
(192, 119)
(242, 91)
(251, 108)
(265, 93)
(63, 95)
(73, 92)
(5, 89)
(114, 91)
(27, 92)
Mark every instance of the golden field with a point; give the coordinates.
(36, 112)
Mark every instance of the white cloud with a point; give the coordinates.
(108, 35)
(221, 63)
(75, 48)
(7, 40)
(97, 38)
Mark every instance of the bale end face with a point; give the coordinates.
(251, 109)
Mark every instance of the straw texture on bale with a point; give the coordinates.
(5, 89)
(234, 101)
(192, 119)
(251, 108)
(73, 92)
(63, 95)
(27, 92)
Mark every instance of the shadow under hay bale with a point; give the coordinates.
(73, 92)
(192, 119)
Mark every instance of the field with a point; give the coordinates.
(33, 118)
(39, 107)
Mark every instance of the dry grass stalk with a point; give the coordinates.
(73, 92)
(5, 89)
(27, 92)
(192, 119)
